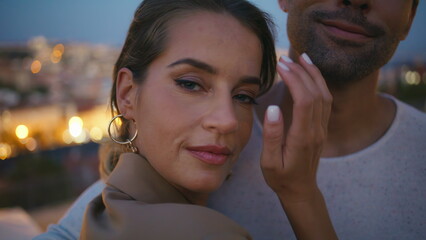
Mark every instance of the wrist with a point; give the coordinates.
(300, 195)
(308, 216)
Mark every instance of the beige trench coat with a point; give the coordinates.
(138, 203)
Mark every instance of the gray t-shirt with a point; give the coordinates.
(376, 193)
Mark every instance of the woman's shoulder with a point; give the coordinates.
(116, 215)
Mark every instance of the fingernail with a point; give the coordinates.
(283, 66)
(306, 58)
(286, 59)
(273, 113)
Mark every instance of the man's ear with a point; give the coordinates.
(283, 5)
(409, 23)
(125, 92)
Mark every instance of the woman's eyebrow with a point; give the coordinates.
(210, 69)
(195, 63)
(250, 80)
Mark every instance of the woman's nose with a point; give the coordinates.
(221, 116)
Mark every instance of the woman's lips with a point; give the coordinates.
(210, 154)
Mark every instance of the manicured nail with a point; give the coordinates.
(283, 66)
(286, 59)
(306, 58)
(273, 113)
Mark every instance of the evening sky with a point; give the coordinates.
(106, 22)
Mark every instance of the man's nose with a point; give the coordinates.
(363, 5)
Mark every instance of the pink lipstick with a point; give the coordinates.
(210, 154)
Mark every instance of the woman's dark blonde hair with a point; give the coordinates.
(147, 39)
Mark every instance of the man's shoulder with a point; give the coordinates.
(409, 112)
(409, 124)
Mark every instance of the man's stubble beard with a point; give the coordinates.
(341, 62)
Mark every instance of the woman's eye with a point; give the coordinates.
(245, 99)
(188, 84)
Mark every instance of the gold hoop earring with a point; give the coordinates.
(128, 142)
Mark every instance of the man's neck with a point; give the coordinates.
(359, 117)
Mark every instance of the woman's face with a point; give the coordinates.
(193, 112)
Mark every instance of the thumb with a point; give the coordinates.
(273, 135)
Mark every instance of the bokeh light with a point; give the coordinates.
(31, 144)
(59, 47)
(5, 151)
(66, 137)
(75, 125)
(413, 78)
(21, 131)
(96, 134)
(81, 138)
(55, 57)
(36, 66)
(57, 53)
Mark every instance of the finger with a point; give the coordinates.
(316, 75)
(273, 135)
(316, 124)
(306, 72)
(302, 101)
(301, 73)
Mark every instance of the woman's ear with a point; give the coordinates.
(283, 5)
(126, 90)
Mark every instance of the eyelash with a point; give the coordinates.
(249, 100)
(184, 83)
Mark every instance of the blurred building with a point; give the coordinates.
(43, 73)
(53, 114)
(44, 84)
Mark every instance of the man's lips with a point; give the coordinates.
(210, 154)
(347, 30)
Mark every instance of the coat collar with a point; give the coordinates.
(134, 176)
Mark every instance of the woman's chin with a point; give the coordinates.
(206, 185)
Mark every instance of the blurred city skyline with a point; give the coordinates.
(106, 22)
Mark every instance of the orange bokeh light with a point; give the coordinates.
(36, 66)
(59, 47)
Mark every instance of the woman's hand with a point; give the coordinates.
(290, 159)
